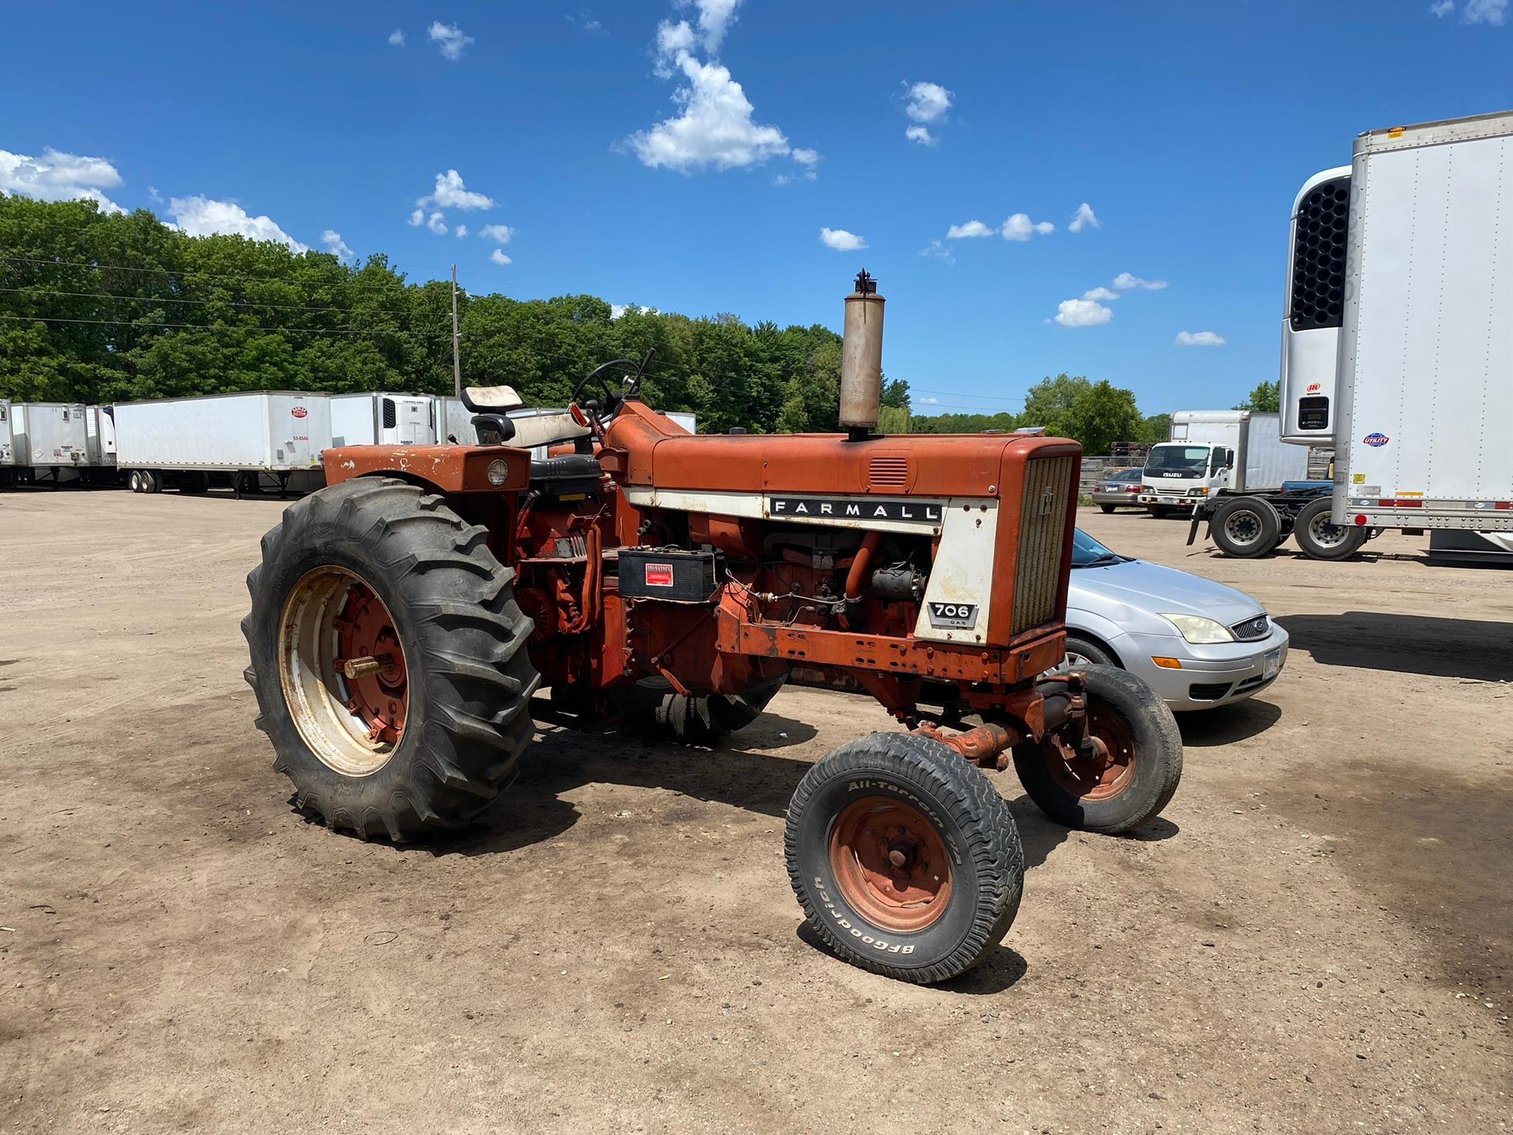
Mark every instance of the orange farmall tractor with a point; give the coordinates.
(403, 617)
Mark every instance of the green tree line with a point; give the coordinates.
(99, 307)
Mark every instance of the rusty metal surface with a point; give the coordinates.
(890, 864)
(449, 468)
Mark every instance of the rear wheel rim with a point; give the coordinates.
(1325, 533)
(353, 725)
(890, 864)
(1100, 775)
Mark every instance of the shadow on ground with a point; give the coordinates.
(1226, 723)
(1406, 644)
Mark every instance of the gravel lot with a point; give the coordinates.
(1317, 937)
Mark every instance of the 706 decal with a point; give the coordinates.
(953, 614)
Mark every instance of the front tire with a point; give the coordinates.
(1246, 527)
(1139, 776)
(1107, 508)
(380, 575)
(905, 859)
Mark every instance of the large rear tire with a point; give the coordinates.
(1139, 775)
(1322, 539)
(904, 857)
(379, 574)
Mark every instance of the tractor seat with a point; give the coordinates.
(576, 474)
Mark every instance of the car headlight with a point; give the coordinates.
(1199, 630)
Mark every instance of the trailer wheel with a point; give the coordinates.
(135, 481)
(389, 660)
(652, 706)
(905, 859)
(1322, 539)
(152, 481)
(1246, 527)
(1128, 778)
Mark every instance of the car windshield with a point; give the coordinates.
(1087, 552)
(1170, 458)
(1127, 475)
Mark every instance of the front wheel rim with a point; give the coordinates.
(890, 864)
(1100, 775)
(332, 618)
(1242, 527)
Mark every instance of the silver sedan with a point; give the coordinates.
(1197, 643)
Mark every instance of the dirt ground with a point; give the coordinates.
(1317, 937)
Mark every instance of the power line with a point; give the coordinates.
(197, 274)
(191, 326)
(170, 299)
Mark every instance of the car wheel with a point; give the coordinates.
(1082, 652)
(1106, 507)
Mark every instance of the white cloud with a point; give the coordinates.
(616, 310)
(57, 176)
(418, 217)
(1494, 12)
(1442, 8)
(338, 247)
(841, 240)
(928, 102)
(499, 258)
(920, 134)
(1020, 227)
(969, 230)
(437, 223)
(201, 216)
(452, 194)
(716, 127)
(1084, 218)
(1082, 313)
(499, 234)
(938, 250)
(1126, 282)
(397, 37)
(715, 18)
(449, 38)
(460, 231)
(1100, 294)
(929, 401)
(1199, 339)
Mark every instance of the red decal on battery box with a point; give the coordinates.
(659, 575)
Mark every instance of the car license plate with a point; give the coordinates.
(1273, 663)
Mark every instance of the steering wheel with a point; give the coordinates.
(613, 398)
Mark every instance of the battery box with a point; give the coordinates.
(676, 574)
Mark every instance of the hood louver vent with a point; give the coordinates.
(888, 473)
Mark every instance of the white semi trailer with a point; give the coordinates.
(7, 443)
(383, 419)
(253, 441)
(50, 442)
(1397, 341)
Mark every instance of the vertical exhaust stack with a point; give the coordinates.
(862, 359)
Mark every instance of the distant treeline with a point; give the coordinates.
(100, 308)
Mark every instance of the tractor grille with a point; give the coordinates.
(888, 473)
(1318, 257)
(1042, 531)
(1251, 629)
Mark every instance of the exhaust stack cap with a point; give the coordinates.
(862, 358)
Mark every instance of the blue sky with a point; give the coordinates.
(1185, 127)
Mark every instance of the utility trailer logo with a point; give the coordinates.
(299, 411)
(852, 508)
(953, 615)
(1375, 441)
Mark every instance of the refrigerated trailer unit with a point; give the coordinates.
(1397, 339)
(256, 441)
(50, 441)
(383, 419)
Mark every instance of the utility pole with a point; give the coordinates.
(456, 342)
